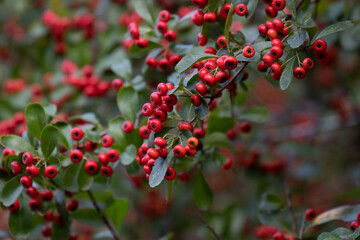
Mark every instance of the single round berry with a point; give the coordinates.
(142, 42)
(262, 67)
(72, 205)
(308, 64)
(227, 165)
(270, 12)
(26, 182)
(48, 216)
(277, 43)
(163, 63)
(46, 195)
(170, 36)
(310, 214)
(221, 41)
(272, 34)
(107, 141)
(154, 154)
(198, 18)
(231, 62)
(278, 24)
(162, 89)
(195, 100)
(354, 225)
(210, 17)
(241, 9)
(50, 172)
(116, 84)
(185, 126)
(164, 16)
(103, 158)
(276, 52)
(161, 142)
(90, 146)
(193, 142)
(179, 151)
(299, 72)
(34, 204)
(155, 125)
(202, 39)
(106, 171)
(209, 79)
(319, 45)
(163, 152)
(170, 173)
(248, 51)
(76, 156)
(268, 59)
(245, 127)
(14, 207)
(221, 76)
(262, 30)
(46, 231)
(144, 132)
(128, 127)
(15, 167)
(162, 27)
(91, 167)
(112, 155)
(201, 88)
(151, 62)
(32, 171)
(278, 5)
(276, 68)
(77, 133)
(27, 158)
(32, 192)
(190, 151)
(225, 10)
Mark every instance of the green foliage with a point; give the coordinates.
(35, 119)
(195, 55)
(203, 196)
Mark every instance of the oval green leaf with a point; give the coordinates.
(49, 140)
(195, 55)
(17, 143)
(11, 191)
(202, 193)
(35, 119)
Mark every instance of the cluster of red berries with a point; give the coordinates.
(355, 224)
(90, 84)
(14, 125)
(60, 25)
(91, 166)
(134, 32)
(273, 7)
(162, 27)
(164, 60)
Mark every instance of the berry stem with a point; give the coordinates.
(301, 231)
(210, 228)
(104, 218)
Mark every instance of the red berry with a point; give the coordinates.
(76, 155)
(34, 204)
(155, 125)
(278, 24)
(262, 30)
(200, 3)
(144, 132)
(162, 89)
(163, 152)
(15, 167)
(58, 220)
(14, 207)
(354, 225)
(299, 73)
(310, 214)
(210, 17)
(278, 5)
(272, 34)
(227, 164)
(48, 216)
(268, 59)
(276, 68)
(195, 100)
(241, 9)
(231, 62)
(50, 172)
(210, 80)
(116, 84)
(319, 45)
(72, 205)
(245, 127)
(106, 171)
(277, 42)
(221, 76)
(32, 171)
(179, 151)
(170, 173)
(185, 126)
(155, 99)
(308, 64)
(183, 176)
(107, 141)
(210, 50)
(46, 231)
(279, 236)
(160, 114)
(262, 67)
(128, 127)
(276, 52)
(162, 27)
(190, 151)
(32, 192)
(164, 63)
(198, 17)
(27, 159)
(112, 155)
(91, 167)
(142, 42)
(77, 133)
(170, 36)
(164, 16)
(225, 10)
(26, 182)
(199, 132)
(90, 146)
(202, 40)
(248, 51)
(151, 62)
(46, 195)
(201, 88)
(103, 158)
(270, 12)
(154, 154)
(221, 41)
(73, 236)
(159, 141)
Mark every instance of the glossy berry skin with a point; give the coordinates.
(308, 64)
(198, 18)
(245, 127)
(201, 88)
(195, 100)
(162, 27)
(162, 89)
(144, 132)
(227, 164)
(163, 63)
(91, 167)
(142, 42)
(117, 84)
(154, 154)
(202, 40)
(179, 151)
(32, 171)
(27, 158)
(164, 16)
(193, 142)
(262, 67)
(276, 52)
(170, 36)
(163, 152)
(248, 51)
(221, 76)
(147, 109)
(279, 236)
(221, 41)
(72, 205)
(170, 173)
(159, 141)
(231, 62)
(276, 68)
(107, 141)
(151, 62)
(127, 127)
(46, 195)
(270, 12)
(209, 79)
(112, 155)
(278, 5)
(310, 214)
(34, 204)
(210, 17)
(26, 182)
(76, 156)
(262, 30)
(299, 73)
(32, 192)
(277, 43)
(155, 125)
(268, 59)
(225, 10)
(190, 151)
(46, 231)
(354, 225)
(15, 167)
(103, 159)
(241, 9)
(278, 24)
(90, 146)
(106, 171)
(77, 133)
(50, 172)
(200, 3)
(14, 207)
(319, 45)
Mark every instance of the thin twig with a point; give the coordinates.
(302, 227)
(137, 120)
(103, 217)
(212, 230)
(289, 203)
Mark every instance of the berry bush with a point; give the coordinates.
(179, 119)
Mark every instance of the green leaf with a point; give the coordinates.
(35, 119)
(195, 55)
(21, 222)
(85, 180)
(328, 236)
(158, 172)
(202, 111)
(17, 143)
(64, 136)
(117, 211)
(270, 202)
(219, 124)
(337, 27)
(291, 4)
(260, 46)
(70, 177)
(133, 168)
(128, 156)
(128, 101)
(50, 109)
(311, 31)
(49, 139)
(137, 52)
(202, 193)
(141, 8)
(228, 24)
(217, 139)
(88, 117)
(116, 132)
(251, 6)
(287, 75)
(219, 158)
(123, 69)
(87, 216)
(239, 38)
(296, 39)
(256, 114)
(11, 191)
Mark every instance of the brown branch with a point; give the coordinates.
(103, 217)
(212, 230)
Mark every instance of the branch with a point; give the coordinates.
(137, 120)
(302, 227)
(212, 230)
(289, 203)
(103, 217)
